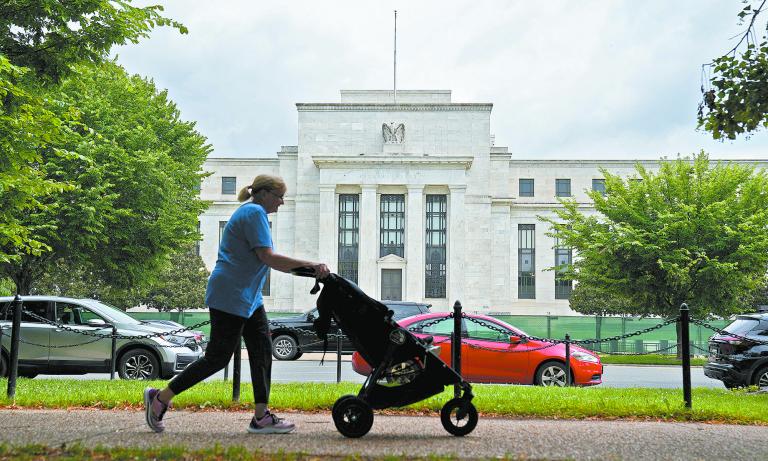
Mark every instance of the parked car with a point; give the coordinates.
(500, 354)
(45, 348)
(734, 359)
(197, 334)
(292, 336)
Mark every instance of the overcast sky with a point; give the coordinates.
(568, 78)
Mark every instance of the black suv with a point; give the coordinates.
(734, 359)
(292, 336)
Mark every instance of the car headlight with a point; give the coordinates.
(173, 339)
(584, 357)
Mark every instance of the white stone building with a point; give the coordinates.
(413, 201)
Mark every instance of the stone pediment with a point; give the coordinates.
(390, 258)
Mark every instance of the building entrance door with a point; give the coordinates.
(392, 284)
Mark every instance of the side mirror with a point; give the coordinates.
(514, 339)
(97, 323)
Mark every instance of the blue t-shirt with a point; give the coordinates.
(236, 281)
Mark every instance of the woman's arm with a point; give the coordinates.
(286, 263)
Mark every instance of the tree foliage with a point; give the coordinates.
(691, 232)
(49, 36)
(181, 285)
(735, 96)
(41, 41)
(132, 176)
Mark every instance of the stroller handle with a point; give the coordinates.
(303, 271)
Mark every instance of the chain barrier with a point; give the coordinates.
(726, 333)
(419, 329)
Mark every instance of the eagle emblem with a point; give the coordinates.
(393, 134)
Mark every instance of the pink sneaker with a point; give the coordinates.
(154, 409)
(270, 424)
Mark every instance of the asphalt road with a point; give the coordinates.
(308, 368)
(397, 436)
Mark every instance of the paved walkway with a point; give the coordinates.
(398, 435)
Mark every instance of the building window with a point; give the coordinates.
(526, 260)
(228, 185)
(222, 225)
(598, 185)
(435, 260)
(563, 187)
(392, 225)
(526, 188)
(563, 259)
(349, 235)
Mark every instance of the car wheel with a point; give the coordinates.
(284, 347)
(761, 377)
(352, 416)
(138, 364)
(551, 374)
(459, 417)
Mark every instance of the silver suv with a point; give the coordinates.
(61, 349)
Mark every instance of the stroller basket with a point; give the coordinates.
(405, 370)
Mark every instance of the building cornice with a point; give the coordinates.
(338, 161)
(404, 107)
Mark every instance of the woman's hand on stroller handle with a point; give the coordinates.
(319, 271)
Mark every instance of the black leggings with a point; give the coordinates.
(225, 334)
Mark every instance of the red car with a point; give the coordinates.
(490, 356)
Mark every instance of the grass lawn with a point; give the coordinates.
(709, 405)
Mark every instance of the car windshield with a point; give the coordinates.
(741, 326)
(111, 312)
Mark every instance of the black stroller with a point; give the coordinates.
(406, 369)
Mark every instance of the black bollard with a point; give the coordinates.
(236, 371)
(112, 364)
(567, 359)
(13, 371)
(338, 355)
(686, 346)
(456, 345)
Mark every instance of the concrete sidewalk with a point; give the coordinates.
(397, 435)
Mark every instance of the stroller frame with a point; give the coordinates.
(427, 374)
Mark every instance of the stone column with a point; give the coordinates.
(369, 241)
(414, 244)
(456, 239)
(328, 237)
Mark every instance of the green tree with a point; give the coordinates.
(49, 36)
(691, 232)
(41, 41)
(27, 129)
(735, 96)
(181, 285)
(132, 197)
(591, 300)
(75, 281)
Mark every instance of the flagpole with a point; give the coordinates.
(394, 74)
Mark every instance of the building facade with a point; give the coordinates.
(412, 201)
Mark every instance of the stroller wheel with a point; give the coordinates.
(459, 417)
(352, 416)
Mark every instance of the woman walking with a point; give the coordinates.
(235, 302)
